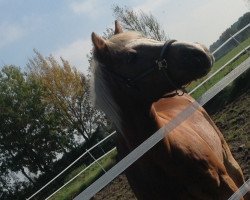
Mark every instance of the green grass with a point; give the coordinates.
(223, 72)
(219, 76)
(85, 179)
(230, 54)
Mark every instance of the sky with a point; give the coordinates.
(62, 28)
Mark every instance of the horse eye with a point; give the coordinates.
(131, 57)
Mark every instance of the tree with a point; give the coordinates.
(239, 24)
(4, 180)
(28, 131)
(247, 2)
(144, 23)
(68, 93)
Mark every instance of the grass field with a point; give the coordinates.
(219, 76)
(90, 175)
(85, 179)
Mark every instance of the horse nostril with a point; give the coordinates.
(203, 59)
(199, 60)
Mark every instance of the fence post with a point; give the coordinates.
(95, 160)
(233, 37)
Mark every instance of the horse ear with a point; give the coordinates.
(118, 28)
(98, 42)
(101, 51)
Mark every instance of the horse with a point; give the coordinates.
(138, 83)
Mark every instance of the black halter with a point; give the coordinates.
(161, 64)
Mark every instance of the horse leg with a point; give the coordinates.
(227, 187)
(232, 167)
(148, 183)
(136, 176)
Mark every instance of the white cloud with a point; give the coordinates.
(214, 17)
(149, 5)
(10, 33)
(194, 21)
(75, 53)
(91, 8)
(200, 22)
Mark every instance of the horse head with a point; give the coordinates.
(130, 63)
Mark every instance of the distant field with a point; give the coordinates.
(90, 175)
(216, 78)
(231, 54)
(219, 63)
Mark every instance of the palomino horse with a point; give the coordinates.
(131, 76)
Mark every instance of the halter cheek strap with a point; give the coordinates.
(163, 65)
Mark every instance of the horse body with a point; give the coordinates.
(193, 161)
(187, 164)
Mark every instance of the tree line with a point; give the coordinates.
(234, 28)
(45, 113)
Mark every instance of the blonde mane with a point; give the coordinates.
(101, 95)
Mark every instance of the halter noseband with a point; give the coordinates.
(161, 65)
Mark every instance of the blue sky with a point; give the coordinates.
(63, 27)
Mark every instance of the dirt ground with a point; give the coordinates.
(234, 122)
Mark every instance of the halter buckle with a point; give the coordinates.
(161, 64)
(180, 92)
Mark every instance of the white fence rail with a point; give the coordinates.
(217, 71)
(81, 172)
(86, 152)
(96, 160)
(233, 36)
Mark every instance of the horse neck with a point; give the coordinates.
(137, 122)
(131, 117)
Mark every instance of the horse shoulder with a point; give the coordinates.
(167, 109)
(197, 148)
(198, 166)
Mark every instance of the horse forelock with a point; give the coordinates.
(129, 40)
(122, 38)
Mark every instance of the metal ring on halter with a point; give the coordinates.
(178, 92)
(161, 64)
